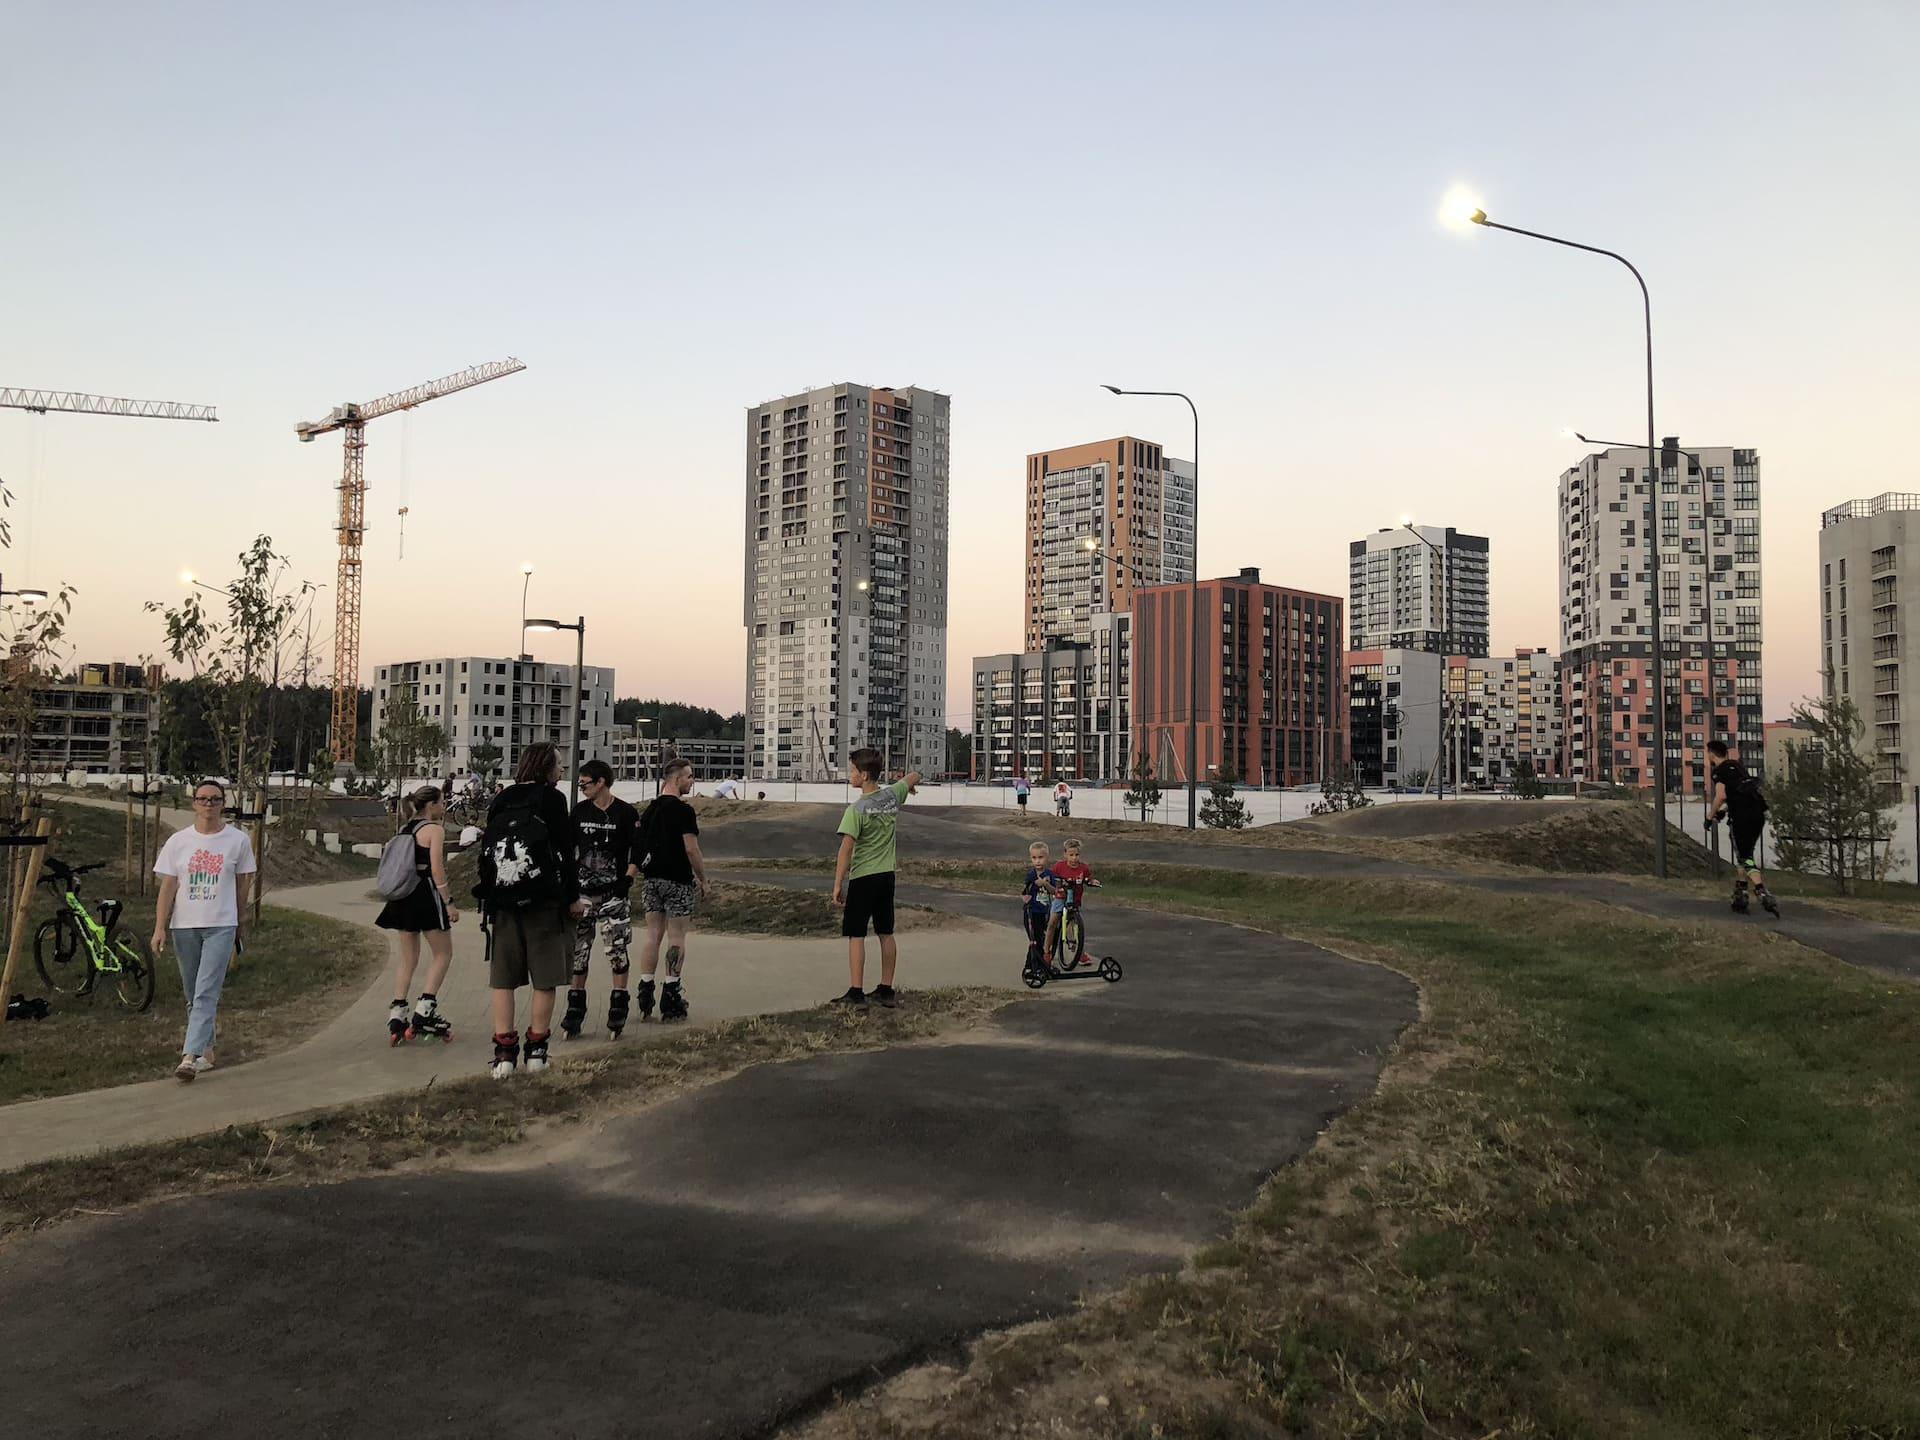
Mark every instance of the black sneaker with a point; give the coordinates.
(853, 999)
(673, 1003)
(884, 995)
(643, 999)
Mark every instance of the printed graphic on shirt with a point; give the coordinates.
(203, 874)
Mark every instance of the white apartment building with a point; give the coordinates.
(1870, 619)
(845, 591)
(512, 704)
(1710, 611)
(1423, 588)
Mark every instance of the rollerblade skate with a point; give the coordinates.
(1772, 906)
(617, 1013)
(427, 1020)
(506, 1054)
(536, 1055)
(643, 997)
(397, 1029)
(1740, 896)
(673, 1004)
(576, 1015)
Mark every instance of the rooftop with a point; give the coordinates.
(1883, 503)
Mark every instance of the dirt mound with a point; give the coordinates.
(1611, 837)
(1413, 819)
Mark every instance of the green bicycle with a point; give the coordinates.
(75, 947)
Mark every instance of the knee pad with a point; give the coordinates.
(619, 964)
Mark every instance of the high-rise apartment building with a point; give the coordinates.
(1522, 722)
(1134, 502)
(1058, 712)
(1709, 509)
(846, 580)
(1271, 706)
(1395, 714)
(1418, 591)
(1870, 619)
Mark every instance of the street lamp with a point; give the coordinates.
(579, 628)
(26, 596)
(1193, 611)
(646, 756)
(1440, 707)
(1460, 210)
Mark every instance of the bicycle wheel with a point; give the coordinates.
(1073, 939)
(62, 961)
(133, 986)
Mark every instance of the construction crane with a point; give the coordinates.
(41, 401)
(352, 419)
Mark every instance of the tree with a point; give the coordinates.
(671, 720)
(32, 645)
(1829, 815)
(959, 752)
(1526, 784)
(408, 743)
(1340, 793)
(238, 657)
(1145, 791)
(1222, 809)
(486, 757)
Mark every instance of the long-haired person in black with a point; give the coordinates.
(530, 890)
(426, 910)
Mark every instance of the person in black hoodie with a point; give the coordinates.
(529, 913)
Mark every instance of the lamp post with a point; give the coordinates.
(1460, 209)
(646, 755)
(1193, 611)
(1713, 708)
(1440, 708)
(579, 628)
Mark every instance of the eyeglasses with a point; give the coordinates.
(207, 799)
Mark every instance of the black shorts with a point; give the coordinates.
(1745, 830)
(869, 900)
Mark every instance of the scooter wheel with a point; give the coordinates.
(1034, 976)
(1110, 970)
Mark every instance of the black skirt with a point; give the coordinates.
(421, 910)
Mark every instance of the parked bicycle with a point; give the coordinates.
(76, 946)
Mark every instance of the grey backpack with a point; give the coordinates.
(398, 878)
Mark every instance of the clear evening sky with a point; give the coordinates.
(673, 212)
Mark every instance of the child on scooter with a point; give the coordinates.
(1037, 890)
(1071, 877)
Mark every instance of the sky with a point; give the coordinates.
(671, 213)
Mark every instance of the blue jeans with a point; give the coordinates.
(204, 954)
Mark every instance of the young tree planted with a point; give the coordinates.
(1144, 795)
(1829, 815)
(1223, 809)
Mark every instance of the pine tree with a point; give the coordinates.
(1526, 784)
(1222, 809)
(1145, 793)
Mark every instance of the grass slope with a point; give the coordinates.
(1625, 1178)
(297, 970)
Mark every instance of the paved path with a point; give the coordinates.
(350, 1059)
(745, 1247)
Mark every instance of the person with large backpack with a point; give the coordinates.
(1738, 798)
(529, 893)
(413, 882)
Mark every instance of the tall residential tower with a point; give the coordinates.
(1134, 502)
(1418, 591)
(846, 580)
(1870, 620)
(1710, 611)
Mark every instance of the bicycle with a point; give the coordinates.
(73, 947)
(1069, 939)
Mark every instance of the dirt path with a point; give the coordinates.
(350, 1059)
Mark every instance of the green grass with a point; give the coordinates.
(296, 967)
(1626, 1178)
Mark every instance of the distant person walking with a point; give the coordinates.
(530, 893)
(205, 872)
(674, 877)
(863, 879)
(609, 859)
(1020, 791)
(427, 910)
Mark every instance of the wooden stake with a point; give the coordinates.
(22, 904)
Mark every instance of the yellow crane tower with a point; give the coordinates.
(352, 420)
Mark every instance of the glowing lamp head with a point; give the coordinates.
(526, 567)
(187, 577)
(1460, 207)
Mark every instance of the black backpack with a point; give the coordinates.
(1745, 792)
(519, 865)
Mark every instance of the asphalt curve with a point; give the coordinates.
(722, 1260)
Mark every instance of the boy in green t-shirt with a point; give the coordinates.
(863, 874)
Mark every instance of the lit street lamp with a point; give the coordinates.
(579, 628)
(1440, 707)
(1193, 612)
(1460, 210)
(26, 596)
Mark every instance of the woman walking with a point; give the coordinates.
(204, 873)
(427, 910)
